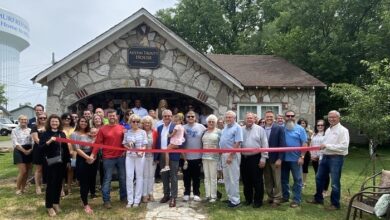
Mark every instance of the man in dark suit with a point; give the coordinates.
(39, 109)
(272, 170)
(169, 179)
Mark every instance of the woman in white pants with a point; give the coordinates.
(150, 166)
(135, 138)
(210, 140)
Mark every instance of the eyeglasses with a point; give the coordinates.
(67, 119)
(290, 116)
(211, 122)
(262, 122)
(190, 116)
(135, 122)
(320, 125)
(42, 118)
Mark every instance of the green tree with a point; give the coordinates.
(368, 106)
(3, 99)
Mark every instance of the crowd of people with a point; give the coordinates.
(57, 163)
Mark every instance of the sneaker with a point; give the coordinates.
(197, 199)
(107, 205)
(220, 181)
(19, 192)
(185, 166)
(186, 198)
(136, 205)
(294, 205)
(93, 196)
(212, 200)
(129, 206)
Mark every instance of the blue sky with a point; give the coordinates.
(62, 27)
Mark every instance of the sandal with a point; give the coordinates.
(51, 212)
(88, 210)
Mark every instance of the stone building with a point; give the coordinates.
(141, 58)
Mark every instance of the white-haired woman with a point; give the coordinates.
(149, 166)
(210, 140)
(135, 138)
(22, 143)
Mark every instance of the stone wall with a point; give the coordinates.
(108, 70)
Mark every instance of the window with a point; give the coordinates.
(258, 109)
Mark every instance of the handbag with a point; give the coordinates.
(54, 160)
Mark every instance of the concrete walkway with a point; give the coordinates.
(6, 146)
(184, 210)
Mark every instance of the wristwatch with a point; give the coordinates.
(303, 157)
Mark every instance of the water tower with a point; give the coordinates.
(14, 37)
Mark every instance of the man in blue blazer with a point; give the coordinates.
(272, 170)
(169, 179)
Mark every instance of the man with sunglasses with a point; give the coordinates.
(295, 136)
(193, 137)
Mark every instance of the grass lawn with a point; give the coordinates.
(30, 206)
(356, 169)
(5, 138)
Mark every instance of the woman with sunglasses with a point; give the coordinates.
(125, 121)
(261, 122)
(38, 157)
(21, 141)
(135, 138)
(68, 129)
(86, 166)
(316, 140)
(306, 160)
(55, 171)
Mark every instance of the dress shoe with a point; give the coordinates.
(283, 200)
(164, 199)
(331, 208)
(247, 203)
(172, 203)
(232, 205)
(294, 205)
(257, 205)
(315, 202)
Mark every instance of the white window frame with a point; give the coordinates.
(258, 112)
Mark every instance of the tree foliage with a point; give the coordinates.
(368, 106)
(3, 99)
(327, 38)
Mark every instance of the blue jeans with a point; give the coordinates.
(109, 165)
(295, 169)
(330, 164)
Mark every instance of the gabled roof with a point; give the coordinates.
(265, 71)
(139, 17)
(20, 107)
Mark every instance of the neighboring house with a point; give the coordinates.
(4, 113)
(22, 110)
(142, 58)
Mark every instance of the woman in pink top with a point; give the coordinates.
(177, 138)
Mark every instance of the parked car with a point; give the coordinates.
(6, 126)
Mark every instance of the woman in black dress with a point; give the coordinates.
(55, 171)
(21, 141)
(38, 158)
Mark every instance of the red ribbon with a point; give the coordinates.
(233, 150)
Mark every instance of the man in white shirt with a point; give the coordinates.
(334, 149)
(138, 110)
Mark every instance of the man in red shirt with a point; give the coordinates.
(112, 135)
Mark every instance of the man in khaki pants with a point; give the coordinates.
(272, 170)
